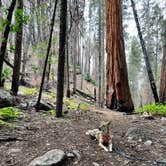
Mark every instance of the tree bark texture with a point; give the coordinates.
(61, 60)
(118, 92)
(163, 72)
(5, 37)
(18, 51)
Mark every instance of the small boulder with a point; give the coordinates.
(54, 157)
(6, 99)
(163, 120)
(148, 143)
(136, 134)
(95, 164)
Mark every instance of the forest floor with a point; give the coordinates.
(38, 133)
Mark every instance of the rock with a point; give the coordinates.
(6, 99)
(54, 157)
(136, 134)
(42, 106)
(23, 106)
(163, 120)
(163, 130)
(70, 155)
(148, 143)
(76, 153)
(148, 116)
(14, 151)
(95, 164)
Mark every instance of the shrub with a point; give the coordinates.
(88, 78)
(154, 109)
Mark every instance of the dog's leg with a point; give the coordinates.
(110, 146)
(102, 146)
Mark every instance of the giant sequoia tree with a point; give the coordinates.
(118, 92)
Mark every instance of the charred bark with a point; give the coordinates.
(47, 56)
(5, 37)
(61, 60)
(18, 51)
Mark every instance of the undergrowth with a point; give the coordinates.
(154, 109)
(73, 104)
(8, 113)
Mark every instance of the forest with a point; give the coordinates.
(82, 82)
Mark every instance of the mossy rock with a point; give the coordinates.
(6, 99)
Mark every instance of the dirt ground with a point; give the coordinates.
(37, 133)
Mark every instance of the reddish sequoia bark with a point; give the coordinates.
(118, 92)
(163, 72)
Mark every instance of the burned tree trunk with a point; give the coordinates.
(163, 72)
(18, 50)
(5, 37)
(47, 56)
(61, 60)
(118, 92)
(147, 62)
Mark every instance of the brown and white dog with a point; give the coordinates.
(102, 135)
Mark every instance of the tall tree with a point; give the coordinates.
(100, 55)
(47, 56)
(163, 72)
(146, 57)
(61, 60)
(5, 37)
(118, 92)
(18, 47)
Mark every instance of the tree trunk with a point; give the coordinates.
(47, 56)
(118, 92)
(61, 60)
(147, 62)
(5, 38)
(100, 56)
(163, 72)
(18, 50)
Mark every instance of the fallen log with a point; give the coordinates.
(85, 95)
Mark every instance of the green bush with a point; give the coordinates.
(9, 113)
(88, 78)
(154, 109)
(6, 73)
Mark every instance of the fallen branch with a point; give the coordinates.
(10, 65)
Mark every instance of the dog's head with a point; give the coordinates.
(104, 127)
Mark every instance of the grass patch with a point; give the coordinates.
(154, 109)
(52, 112)
(84, 107)
(71, 104)
(50, 96)
(27, 91)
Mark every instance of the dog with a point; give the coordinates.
(102, 135)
